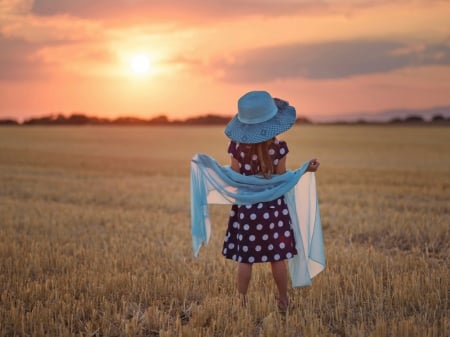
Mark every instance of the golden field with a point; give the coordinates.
(95, 235)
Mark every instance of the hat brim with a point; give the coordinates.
(260, 132)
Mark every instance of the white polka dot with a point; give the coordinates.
(265, 237)
(258, 248)
(289, 255)
(282, 245)
(270, 247)
(263, 258)
(254, 157)
(240, 237)
(240, 258)
(251, 259)
(275, 214)
(240, 165)
(235, 224)
(225, 250)
(226, 238)
(277, 141)
(287, 234)
(271, 152)
(276, 257)
(285, 211)
(253, 216)
(246, 227)
(259, 227)
(232, 213)
(248, 206)
(275, 162)
(279, 202)
(231, 245)
(241, 216)
(247, 167)
(260, 205)
(266, 215)
(280, 223)
(272, 225)
(244, 249)
(282, 150)
(275, 235)
(234, 257)
(252, 238)
(242, 154)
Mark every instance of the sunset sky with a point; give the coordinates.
(182, 58)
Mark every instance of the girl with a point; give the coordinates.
(261, 232)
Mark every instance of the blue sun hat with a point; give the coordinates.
(260, 117)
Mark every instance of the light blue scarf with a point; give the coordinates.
(212, 183)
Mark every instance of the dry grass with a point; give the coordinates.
(95, 237)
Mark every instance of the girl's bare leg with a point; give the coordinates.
(244, 275)
(280, 275)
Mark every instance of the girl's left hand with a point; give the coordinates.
(313, 165)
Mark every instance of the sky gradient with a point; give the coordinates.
(324, 57)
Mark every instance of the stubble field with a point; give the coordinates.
(95, 235)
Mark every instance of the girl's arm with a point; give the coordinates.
(234, 164)
(281, 166)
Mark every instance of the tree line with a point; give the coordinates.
(82, 119)
(209, 119)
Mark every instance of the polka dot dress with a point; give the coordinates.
(260, 232)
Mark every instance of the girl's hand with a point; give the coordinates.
(313, 165)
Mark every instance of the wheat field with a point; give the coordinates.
(95, 235)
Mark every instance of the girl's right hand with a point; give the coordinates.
(313, 165)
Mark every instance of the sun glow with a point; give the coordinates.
(140, 64)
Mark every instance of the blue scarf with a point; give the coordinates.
(212, 183)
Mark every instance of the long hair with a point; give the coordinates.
(261, 150)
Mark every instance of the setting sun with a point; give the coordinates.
(140, 64)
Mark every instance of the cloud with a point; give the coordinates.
(204, 10)
(328, 60)
(198, 10)
(172, 8)
(40, 29)
(33, 47)
(23, 60)
(15, 7)
(19, 60)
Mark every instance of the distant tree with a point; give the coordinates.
(159, 120)
(438, 118)
(8, 121)
(129, 121)
(78, 119)
(99, 121)
(39, 120)
(207, 120)
(302, 120)
(60, 119)
(396, 120)
(361, 121)
(414, 119)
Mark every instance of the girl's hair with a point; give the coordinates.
(261, 150)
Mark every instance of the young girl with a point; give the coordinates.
(261, 232)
